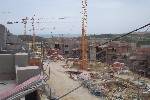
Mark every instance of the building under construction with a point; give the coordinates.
(88, 66)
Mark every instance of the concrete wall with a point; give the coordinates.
(24, 73)
(8, 62)
(21, 59)
(8, 71)
(7, 68)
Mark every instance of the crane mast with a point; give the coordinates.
(24, 21)
(33, 29)
(84, 41)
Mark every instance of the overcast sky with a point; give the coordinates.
(104, 16)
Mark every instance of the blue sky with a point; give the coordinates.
(104, 16)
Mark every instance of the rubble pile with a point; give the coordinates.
(107, 83)
(54, 54)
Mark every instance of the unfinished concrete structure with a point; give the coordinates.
(64, 44)
(139, 61)
(3, 36)
(10, 43)
(17, 75)
(115, 51)
(9, 71)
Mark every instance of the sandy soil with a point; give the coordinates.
(61, 83)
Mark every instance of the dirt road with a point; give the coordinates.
(61, 83)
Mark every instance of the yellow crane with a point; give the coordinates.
(84, 41)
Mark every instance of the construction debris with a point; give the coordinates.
(53, 54)
(109, 85)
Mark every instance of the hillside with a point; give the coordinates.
(30, 38)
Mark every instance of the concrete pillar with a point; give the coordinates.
(92, 53)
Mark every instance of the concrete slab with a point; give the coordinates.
(5, 85)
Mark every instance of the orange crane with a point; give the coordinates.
(84, 41)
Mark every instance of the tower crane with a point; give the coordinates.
(33, 29)
(84, 41)
(34, 21)
(23, 20)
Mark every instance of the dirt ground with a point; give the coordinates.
(61, 84)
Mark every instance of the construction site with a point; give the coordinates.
(87, 66)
